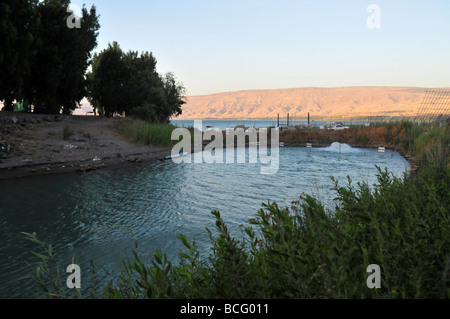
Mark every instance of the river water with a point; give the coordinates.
(89, 215)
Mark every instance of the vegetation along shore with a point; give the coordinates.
(37, 144)
(305, 250)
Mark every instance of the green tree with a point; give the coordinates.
(58, 74)
(18, 22)
(129, 83)
(106, 82)
(42, 60)
(175, 94)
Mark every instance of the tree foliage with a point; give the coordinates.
(129, 83)
(18, 24)
(42, 60)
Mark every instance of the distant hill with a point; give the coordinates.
(320, 102)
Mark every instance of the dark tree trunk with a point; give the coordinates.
(8, 106)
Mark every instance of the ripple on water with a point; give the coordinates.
(91, 215)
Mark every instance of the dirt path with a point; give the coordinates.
(33, 145)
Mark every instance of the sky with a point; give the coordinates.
(217, 46)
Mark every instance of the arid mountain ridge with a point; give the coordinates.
(346, 102)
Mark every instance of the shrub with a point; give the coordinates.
(67, 132)
(402, 224)
(146, 113)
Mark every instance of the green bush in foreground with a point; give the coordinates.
(401, 224)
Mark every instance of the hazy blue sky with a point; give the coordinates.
(217, 45)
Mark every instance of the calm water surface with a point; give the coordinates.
(224, 124)
(89, 215)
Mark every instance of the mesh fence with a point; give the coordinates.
(431, 128)
(435, 107)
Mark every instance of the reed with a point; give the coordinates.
(305, 251)
(145, 133)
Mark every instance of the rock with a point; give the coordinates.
(70, 147)
(134, 160)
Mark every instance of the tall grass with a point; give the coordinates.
(304, 251)
(430, 144)
(420, 141)
(145, 133)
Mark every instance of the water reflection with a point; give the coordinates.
(90, 215)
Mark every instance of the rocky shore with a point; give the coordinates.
(33, 145)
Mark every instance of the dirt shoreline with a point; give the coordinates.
(34, 145)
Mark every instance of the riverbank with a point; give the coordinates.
(35, 145)
(398, 136)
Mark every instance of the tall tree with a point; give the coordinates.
(18, 22)
(63, 57)
(42, 59)
(129, 83)
(73, 87)
(174, 93)
(106, 82)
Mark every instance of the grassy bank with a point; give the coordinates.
(412, 140)
(145, 133)
(304, 251)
